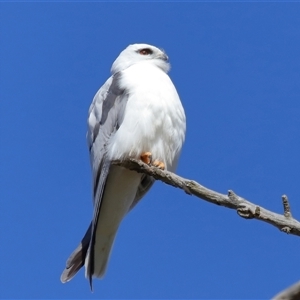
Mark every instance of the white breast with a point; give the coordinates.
(154, 117)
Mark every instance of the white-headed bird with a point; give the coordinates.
(137, 114)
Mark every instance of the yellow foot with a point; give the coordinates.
(159, 164)
(146, 157)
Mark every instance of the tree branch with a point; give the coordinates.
(244, 208)
(291, 293)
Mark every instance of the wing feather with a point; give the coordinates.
(105, 117)
(77, 258)
(104, 120)
(108, 122)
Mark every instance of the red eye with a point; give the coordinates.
(145, 51)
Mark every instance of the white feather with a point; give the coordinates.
(154, 121)
(120, 191)
(154, 117)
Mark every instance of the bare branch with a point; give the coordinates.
(244, 208)
(291, 293)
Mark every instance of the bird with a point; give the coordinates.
(137, 113)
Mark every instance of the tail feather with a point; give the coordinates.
(95, 265)
(77, 258)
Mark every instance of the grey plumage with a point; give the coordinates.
(107, 113)
(136, 111)
(76, 259)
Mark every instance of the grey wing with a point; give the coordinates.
(77, 258)
(108, 122)
(105, 117)
(106, 114)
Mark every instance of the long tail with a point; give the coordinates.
(95, 265)
(77, 258)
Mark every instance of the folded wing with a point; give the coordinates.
(106, 114)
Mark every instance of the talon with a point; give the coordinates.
(159, 164)
(146, 157)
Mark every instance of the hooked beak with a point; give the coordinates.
(164, 57)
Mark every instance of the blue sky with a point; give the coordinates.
(236, 67)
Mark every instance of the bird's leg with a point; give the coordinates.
(146, 157)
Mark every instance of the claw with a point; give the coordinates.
(146, 157)
(159, 164)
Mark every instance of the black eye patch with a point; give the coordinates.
(145, 51)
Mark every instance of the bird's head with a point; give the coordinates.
(138, 53)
